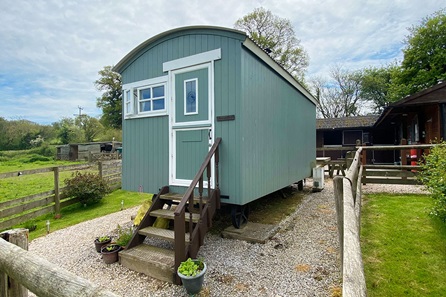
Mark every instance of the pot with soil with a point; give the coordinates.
(99, 242)
(110, 253)
(192, 273)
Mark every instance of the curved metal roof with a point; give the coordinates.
(155, 38)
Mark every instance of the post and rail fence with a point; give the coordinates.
(20, 210)
(21, 271)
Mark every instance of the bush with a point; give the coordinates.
(433, 176)
(124, 236)
(89, 188)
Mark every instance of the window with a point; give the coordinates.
(145, 98)
(350, 137)
(191, 96)
(128, 108)
(151, 98)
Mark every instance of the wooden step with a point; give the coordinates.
(153, 261)
(177, 197)
(169, 214)
(165, 234)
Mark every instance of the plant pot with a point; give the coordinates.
(193, 284)
(99, 244)
(111, 256)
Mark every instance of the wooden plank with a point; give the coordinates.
(76, 167)
(68, 202)
(17, 220)
(25, 199)
(390, 181)
(25, 172)
(395, 167)
(4, 213)
(339, 148)
(397, 147)
(391, 173)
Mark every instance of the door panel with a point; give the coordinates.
(191, 149)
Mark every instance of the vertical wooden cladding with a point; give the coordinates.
(146, 140)
(278, 131)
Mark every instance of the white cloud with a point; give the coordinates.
(51, 51)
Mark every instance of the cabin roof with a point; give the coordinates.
(346, 122)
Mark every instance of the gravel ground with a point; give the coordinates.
(302, 259)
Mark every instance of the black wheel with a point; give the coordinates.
(239, 215)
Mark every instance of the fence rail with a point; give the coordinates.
(20, 210)
(348, 194)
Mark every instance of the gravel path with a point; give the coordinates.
(302, 259)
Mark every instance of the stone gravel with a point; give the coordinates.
(302, 259)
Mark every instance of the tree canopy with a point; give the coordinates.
(276, 35)
(111, 100)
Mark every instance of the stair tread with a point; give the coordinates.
(169, 214)
(166, 234)
(149, 253)
(178, 197)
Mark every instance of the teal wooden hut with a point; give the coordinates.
(189, 90)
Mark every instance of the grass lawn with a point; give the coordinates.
(76, 213)
(404, 249)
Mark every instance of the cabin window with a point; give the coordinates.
(191, 96)
(145, 98)
(151, 98)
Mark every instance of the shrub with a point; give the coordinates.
(433, 176)
(89, 188)
(124, 236)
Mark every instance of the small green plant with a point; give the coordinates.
(88, 187)
(124, 235)
(191, 267)
(30, 225)
(104, 238)
(112, 247)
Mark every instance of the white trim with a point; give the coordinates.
(143, 84)
(198, 125)
(185, 96)
(192, 60)
(248, 43)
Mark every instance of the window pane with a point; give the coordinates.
(158, 91)
(145, 94)
(144, 106)
(191, 96)
(127, 96)
(158, 104)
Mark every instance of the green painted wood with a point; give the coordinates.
(191, 149)
(202, 98)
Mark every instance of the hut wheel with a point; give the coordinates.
(239, 215)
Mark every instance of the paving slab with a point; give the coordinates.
(251, 232)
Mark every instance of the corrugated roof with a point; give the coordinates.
(347, 122)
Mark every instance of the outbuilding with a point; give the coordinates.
(185, 87)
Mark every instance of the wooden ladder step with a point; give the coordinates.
(169, 214)
(165, 234)
(150, 260)
(177, 197)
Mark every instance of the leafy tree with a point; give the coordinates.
(90, 126)
(424, 62)
(111, 100)
(277, 35)
(339, 97)
(68, 131)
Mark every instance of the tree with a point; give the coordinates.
(68, 132)
(277, 35)
(376, 85)
(424, 62)
(111, 100)
(90, 126)
(341, 96)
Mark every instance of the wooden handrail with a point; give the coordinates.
(206, 211)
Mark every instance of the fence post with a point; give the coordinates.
(56, 191)
(8, 286)
(339, 199)
(100, 168)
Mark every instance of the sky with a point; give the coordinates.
(51, 51)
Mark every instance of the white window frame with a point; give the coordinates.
(196, 97)
(128, 102)
(151, 99)
(135, 88)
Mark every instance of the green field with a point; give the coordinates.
(404, 249)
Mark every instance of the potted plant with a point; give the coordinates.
(192, 273)
(110, 253)
(124, 236)
(99, 242)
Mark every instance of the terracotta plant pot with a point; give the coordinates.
(110, 253)
(99, 244)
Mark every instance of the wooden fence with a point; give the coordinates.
(16, 211)
(21, 270)
(347, 191)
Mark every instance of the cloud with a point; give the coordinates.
(51, 51)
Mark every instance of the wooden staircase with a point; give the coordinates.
(160, 258)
